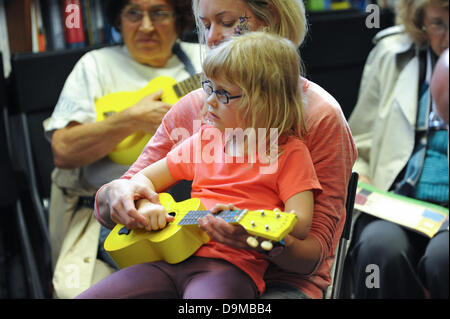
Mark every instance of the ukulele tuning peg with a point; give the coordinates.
(252, 242)
(277, 212)
(266, 245)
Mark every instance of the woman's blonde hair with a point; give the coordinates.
(267, 68)
(411, 14)
(285, 18)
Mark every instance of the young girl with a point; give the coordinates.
(252, 84)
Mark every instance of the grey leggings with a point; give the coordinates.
(194, 278)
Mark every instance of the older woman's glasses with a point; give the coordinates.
(135, 15)
(437, 28)
(222, 95)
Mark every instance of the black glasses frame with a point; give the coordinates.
(222, 95)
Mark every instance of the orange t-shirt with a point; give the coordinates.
(333, 153)
(245, 182)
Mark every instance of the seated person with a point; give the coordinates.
(328, 140)
(402, 147)
(81, 144)
(234, 167)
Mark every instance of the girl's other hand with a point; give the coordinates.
(220, 231)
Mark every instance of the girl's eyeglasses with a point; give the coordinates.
(222, 95)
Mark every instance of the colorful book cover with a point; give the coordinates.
(422, 217)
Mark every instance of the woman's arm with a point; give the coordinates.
(136, 198)
(117, 197)
(156, 176)
(81, 144)
(180, 119)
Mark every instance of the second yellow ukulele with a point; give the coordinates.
(129, 149)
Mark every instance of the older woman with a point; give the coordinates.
(402, 147)
(302, 269)
(80, 144)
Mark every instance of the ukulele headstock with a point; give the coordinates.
(269, 224)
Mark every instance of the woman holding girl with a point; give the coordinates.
(238, 99)
(303, 269)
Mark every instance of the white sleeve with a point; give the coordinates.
(77, 100)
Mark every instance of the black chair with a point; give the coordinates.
(19, 266)
(341, 251)
(35, 84)
(335, 51)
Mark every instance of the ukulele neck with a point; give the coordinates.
(186, 86)
(230, 216)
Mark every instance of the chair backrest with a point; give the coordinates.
(8, 189)
(349, 205)
(341, 251)
(335, 51)
(36, 83)
(34, 87)
(15, 241)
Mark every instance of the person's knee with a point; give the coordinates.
(381, 239)
(433, 267)
(436, 255)
(224, 282)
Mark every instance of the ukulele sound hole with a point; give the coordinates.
(173, 214)
(124, 231)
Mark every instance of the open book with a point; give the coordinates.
(422, 217)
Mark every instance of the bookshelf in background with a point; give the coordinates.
(48, 25)
(4, 41)
(330, 5)
(18, 18)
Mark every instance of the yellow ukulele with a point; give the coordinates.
(129, 149)
(182, 237)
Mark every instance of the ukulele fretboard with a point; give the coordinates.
(189, 85)
(230, 216)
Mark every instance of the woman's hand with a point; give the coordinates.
(116, 202)
(220, 231)
(148, 112)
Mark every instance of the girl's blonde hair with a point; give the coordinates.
(267, 68)
(285, 18)
(411, 14)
